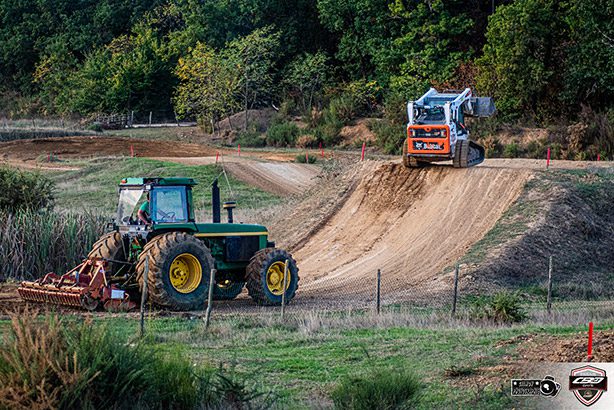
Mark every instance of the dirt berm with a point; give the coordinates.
(410, 224)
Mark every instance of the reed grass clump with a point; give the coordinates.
(33, 243)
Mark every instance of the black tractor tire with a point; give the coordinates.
(461, 154)
(227, 292)
(162, 251)
(257, 272)
(110, 246)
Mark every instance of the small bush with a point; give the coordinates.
(328, 131)
(307, 141)
(511, 150)
(24, 190)
(389, 136)
(504, 307)
(282, 135)
(96, 127)
(341, 108)
(251, 139)
(304, 159)
(384, 389)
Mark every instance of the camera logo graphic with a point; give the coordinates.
(547, 387)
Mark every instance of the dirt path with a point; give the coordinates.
(282, 178)
(411, 224)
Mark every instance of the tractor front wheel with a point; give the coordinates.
(179, 267)
(110, 246)
(265, 276)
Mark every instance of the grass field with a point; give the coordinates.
(303, 359)
(94, 187)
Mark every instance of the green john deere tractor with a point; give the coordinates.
(180, 253)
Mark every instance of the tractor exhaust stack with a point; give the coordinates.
(215, 203)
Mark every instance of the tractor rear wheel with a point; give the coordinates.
(179, 267)
(265, 275)
(227, 291)
(110, 246)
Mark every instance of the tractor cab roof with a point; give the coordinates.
(139, 182)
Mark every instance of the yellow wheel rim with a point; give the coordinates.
(275, 278)
(186, 273)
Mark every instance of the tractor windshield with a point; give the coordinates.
(169, 204)
(128, 198)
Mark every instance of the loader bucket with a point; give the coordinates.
(84, 286)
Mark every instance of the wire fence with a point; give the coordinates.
(451, 297)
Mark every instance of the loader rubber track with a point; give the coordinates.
(160, 251)
(467, 154)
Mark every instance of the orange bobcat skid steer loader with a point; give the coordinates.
(436, 129)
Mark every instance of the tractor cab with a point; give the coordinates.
(166, 200)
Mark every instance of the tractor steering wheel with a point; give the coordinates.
(166, 215)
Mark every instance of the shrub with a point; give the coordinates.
(282, 135)
(384, 389)
(305, 158)
(341, 108)
(503, 307)
(95, 126)
(24, 190)
(251, 139)
(511, 150)
(307, 141)
(389, 136)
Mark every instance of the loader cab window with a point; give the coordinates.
(434, 115)
(169, 204)
(128, 198)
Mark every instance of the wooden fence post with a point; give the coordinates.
(144, 295)
(549, 301)
(455, 297)
(150, 117)
(210, 297)
(284, 284)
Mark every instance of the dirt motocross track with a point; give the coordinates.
(411, 224)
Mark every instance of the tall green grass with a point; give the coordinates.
(34, 243)
(66, 364)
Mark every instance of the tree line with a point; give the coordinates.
(545, 61)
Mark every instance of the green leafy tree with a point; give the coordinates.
(305, 78)
(435, 40)
(208, 84)
(254, 58)
(589, 77)
(522, 58)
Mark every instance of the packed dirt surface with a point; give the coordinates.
(282, 178)
(409, 223)
(83, 147)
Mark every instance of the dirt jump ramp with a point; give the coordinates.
(410, 223)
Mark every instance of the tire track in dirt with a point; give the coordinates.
(410, 223)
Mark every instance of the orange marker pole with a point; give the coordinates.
(590, 341)
(239, 149)
(362, 155)
(321, 150)
(548, 158)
